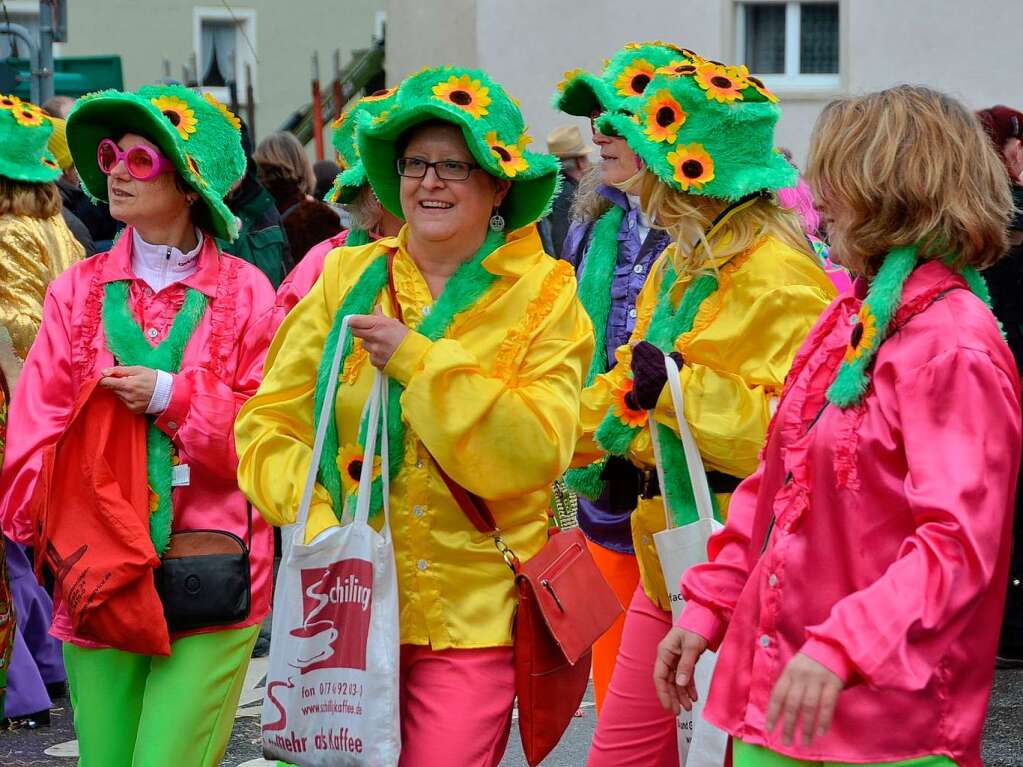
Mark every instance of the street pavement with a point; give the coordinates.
(55, 747)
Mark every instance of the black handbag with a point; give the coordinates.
(204, 579)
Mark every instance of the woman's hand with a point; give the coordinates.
(673, 670)
(133, 385)
(381, 336)
(648, 375)
(806, 690)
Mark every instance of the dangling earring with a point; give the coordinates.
(496, 222)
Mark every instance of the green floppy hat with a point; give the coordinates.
(493, 129)
(24, 133)
(198, 134)
(705, 128)
(625, 75)
(353, 176)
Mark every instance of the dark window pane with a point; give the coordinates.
(818, 39)
(765, 38)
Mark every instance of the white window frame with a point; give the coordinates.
(246, 19)
(792, 80)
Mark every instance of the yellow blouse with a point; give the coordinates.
(495, 402)
(737, 354)
(33, 252)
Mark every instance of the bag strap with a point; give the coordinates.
(694, 461)
(326, 412)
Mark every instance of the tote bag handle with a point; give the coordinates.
(694, 461)
(377, 406)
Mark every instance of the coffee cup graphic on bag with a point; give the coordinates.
(337, 605)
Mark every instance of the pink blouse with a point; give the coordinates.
(305, 274)
(221, 368)
(888, 556)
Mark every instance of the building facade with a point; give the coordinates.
(809, 52)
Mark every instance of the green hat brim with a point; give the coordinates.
(114, 114)
(583, 94)
(30, 175)
(773, 173)
(347, 185)
(532, 190)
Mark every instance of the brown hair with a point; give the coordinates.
(908, 165)
(21, 198)
(282, 161)
(687, 217)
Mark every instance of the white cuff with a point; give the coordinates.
(161, 393)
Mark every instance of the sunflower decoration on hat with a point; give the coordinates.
(626, 75)
(352, 177)
(25, 132)
(705, 128)
(491, 124)
(197, 133)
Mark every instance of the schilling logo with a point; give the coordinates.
(337, 604)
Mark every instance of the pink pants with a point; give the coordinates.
(456, 706)
(632, 729)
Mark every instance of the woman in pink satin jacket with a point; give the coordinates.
(855, 595)
(164, 157)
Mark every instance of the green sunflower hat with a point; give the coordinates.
(626, 75)
(24, 133)
(353, 176)
(705, 128)
(197, 133)
(493, 128)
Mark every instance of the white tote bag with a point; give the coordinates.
(700, 744)
(332, 683)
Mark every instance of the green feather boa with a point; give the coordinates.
(595, 283)
(357, 237)
(129, 346)
(875, 317)
(463, 290)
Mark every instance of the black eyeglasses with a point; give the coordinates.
(446, 170)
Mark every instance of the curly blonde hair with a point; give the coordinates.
(908, 165)
(687, 218)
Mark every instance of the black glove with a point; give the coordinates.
(648, 375)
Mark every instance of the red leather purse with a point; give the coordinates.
(565, 605)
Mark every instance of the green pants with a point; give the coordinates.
(141, 711)
(746, 755)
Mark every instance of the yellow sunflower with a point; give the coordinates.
(724, 84)
(624, 413)
(10, 102)
(635, 78)
(762, 89)
(464, 93)
(178, 112)
(679, 68)
(509, 156)
(863, 337)
(568, 77)
(380, 95)
(29, 115)
(154, 501)
(194, 167)
(222, 108)
(349, 463)
(692, 165)
(664, 117)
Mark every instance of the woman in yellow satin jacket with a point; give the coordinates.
(489, 356)
(731, 300)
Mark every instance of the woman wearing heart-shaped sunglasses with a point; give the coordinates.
(175, 329)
